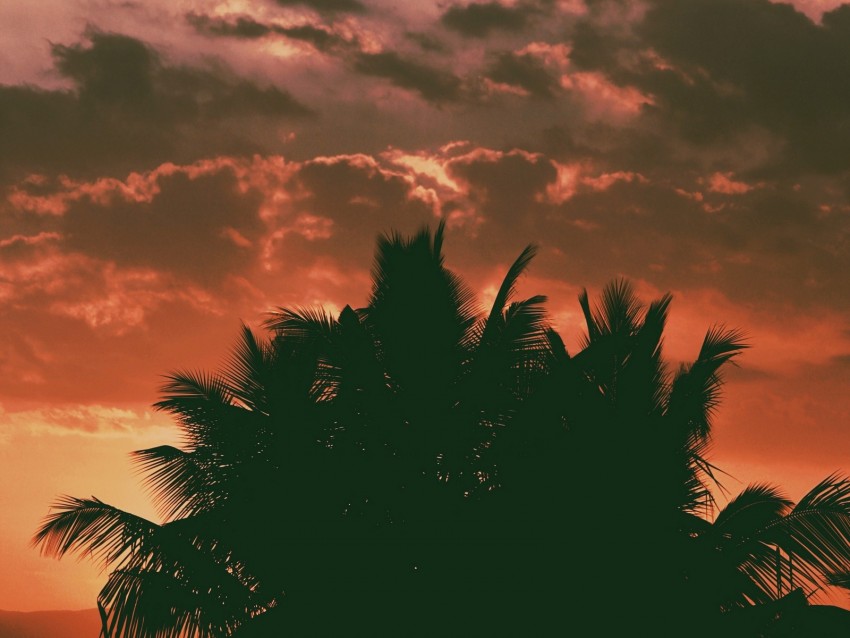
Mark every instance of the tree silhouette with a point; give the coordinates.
(326, 467)
(420, 467)
(626, 486)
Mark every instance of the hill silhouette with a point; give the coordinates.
(49, 624)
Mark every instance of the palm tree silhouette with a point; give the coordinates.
(420, 384)
(419, 467)
(632, 490)
(324, 467)
(199, 573)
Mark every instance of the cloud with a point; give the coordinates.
(114, 71)
(173, 221)
(100, 421)
(119, 257)
(119, 72)
(127, 108)
(757, 63)
(434, 85)
(239, 27)
(479, 19)
(524, 71)
(426, 42)
(27, 240)
(326, 6)
(320, 37)
(724, 183)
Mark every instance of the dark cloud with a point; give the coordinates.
(434, 85)
(786, 65)
(594, 47)
(725, 67)
(524, 71)
(319, 37)
(119, 71)
(688, 103)
(326, 6)
(837, 20)
(426, 42)
(241, 27)
(244, 97)
(322, 39)
(479, 19)
(362, 201)
(127, 109)
(505, 193)
(114, 71)
(188, 228)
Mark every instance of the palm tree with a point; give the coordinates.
(421, 383)
(362, 434)
(247, 439)
(761, 545)
(419, 466)
(630, 441)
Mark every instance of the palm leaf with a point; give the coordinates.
(508, 288)
(817, 531)
(248, 370)
(182, 483)
(106, 533)
(696, 389)
(303, 323)
(618, 312)
(202, 403)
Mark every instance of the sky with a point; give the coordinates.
(169, 169)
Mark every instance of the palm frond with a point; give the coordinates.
(618, 312)
(556, 346)
(593, 330)
(210, 416)
(107, 534)
(182, 483)
(419, 316)
(756, 507)
(525, 325)
(817, 531)
(199, 401)
(172, 602)
(139, 602)
(696, 389)
(779, 545)
(247, 371)
(508, 288)
(303, 323)
(642, 383)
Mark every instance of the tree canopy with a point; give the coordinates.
(423, 466)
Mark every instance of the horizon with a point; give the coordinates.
(173, 169)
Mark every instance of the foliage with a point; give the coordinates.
(421, 466)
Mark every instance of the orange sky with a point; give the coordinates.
(168, 169)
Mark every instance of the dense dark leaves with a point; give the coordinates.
(419, 467)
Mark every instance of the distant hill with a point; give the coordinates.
(49, 624)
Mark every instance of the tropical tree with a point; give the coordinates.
(323, 467)
(199, 573)
(417, 466)
(421, 383)
(633, 492)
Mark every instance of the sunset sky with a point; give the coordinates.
(171, 168)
